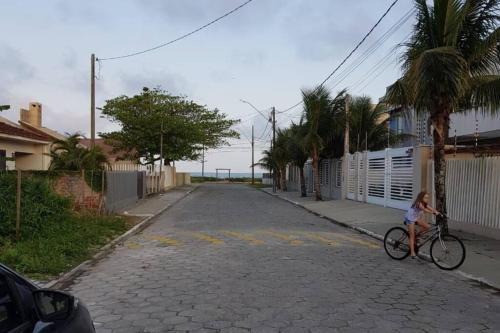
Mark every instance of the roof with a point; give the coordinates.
(43, 131)
(107, 149)
(9, 129)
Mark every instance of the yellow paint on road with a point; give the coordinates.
(358, 241)
(246, 238)
(133, 245)
(290, 239)
(164, 240)
(207, 238)
(329, 242)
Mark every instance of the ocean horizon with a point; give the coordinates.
(224, 174)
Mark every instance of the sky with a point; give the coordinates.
(264, 53)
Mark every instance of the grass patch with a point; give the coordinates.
(259, 185)
(59, 247)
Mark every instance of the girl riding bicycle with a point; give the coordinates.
(414, 216)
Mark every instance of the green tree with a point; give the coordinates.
(186, 126)
(69, 155)
(451, 64)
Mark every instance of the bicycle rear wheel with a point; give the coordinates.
(447, 252)
(396, 243)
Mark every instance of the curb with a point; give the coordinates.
(106, 249)
(481, 281)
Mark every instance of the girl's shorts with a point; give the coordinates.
(406, 222)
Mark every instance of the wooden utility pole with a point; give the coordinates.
(253, 174)
(92, 100)
(273, 115)
(18, 205)
(203, 161)
(345, 165)
(161, 153)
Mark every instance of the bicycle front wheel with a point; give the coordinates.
(396, 243)
(447, 252)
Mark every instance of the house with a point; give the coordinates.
(26, 145)
(468, 131)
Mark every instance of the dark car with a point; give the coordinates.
(25, 308)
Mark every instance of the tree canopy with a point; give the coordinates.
(187, 127)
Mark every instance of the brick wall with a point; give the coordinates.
(75, 187)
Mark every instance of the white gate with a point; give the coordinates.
(361, 175)
(352, 177)
(375, 177)
(389, 177)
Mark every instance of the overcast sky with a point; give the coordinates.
(264, 53)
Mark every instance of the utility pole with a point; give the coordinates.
(203, 161)
(92, 100)
(345, 166)
(161, 154)
(273, 115)
(253, 174)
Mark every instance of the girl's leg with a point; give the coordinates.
(411, 231)
(424, 226)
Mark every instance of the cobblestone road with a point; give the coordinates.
(229, 258)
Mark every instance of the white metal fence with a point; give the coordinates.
(473, 191)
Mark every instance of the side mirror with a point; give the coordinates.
(53, 305)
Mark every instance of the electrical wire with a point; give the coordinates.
(350, 53)
(178, 38)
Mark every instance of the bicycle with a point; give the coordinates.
(447, 251)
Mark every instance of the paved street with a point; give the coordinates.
(229, 258)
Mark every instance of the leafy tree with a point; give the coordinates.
(186, 126)
(69, 155)
(451, 64)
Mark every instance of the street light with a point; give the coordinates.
(253, 107)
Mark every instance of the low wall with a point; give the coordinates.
(74, 186)
(182, 178)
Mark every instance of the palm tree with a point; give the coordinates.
(69, 155)
(316, 103)
(281, 155)
(451, 64)
(297, 153)
(367, 130)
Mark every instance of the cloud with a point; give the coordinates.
(171, 82)
(14, 68)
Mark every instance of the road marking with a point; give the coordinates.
(250, 239)
(133, 245)
(329, 242)
(207, 238)
(164, 240)
(292, 240)
(358, 241)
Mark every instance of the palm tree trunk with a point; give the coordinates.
(315, 163)
(283, 179)
(303, 190)
(440, 133)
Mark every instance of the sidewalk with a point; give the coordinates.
(155, 204)
(482, 261)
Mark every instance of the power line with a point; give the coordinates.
(350, 54)
(178, 38)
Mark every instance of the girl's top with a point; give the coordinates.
(413, 213)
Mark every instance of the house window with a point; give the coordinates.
(3, 160)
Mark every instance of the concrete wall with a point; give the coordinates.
(30, 155)
(183, 178)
